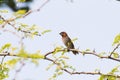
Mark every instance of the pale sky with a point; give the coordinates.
(94, 22)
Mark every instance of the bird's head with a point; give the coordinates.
(63, 34)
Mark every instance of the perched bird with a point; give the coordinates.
(67, 41)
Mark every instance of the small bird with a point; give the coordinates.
(67, 41)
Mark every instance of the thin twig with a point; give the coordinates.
(2, 59)
(18, 70)
(114, 49)
(31, 11)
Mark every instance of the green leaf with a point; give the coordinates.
(60, 73)
(21, 12)
(25, 54)
(33, 27)
(74, 39)
(46, 31)
(116, 40)
(35, 61)
(49, 66)
(22, 53)
(101, 77)
(3, 11)
(114, 70)
(35, 33)
(87, 50)
(102, 54)
(57, 49)
(1, 21)
(3, 72)
(36, 56)
(12, 62)
(115, 55)
(6, 46)
(21, 0)
(24, 25)
(111, 78)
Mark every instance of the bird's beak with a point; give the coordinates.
(60, 33)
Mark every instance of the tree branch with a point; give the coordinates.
(85, 53)
(63, 69)
(31, 11)
(8, 22)
(88, 73)
(115, 49)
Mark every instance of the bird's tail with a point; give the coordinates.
(75, 52)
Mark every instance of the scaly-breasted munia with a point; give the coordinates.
(67, 41)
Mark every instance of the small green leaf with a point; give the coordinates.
(35, 61)
(36, 56)
(102, 77)
(116, 40)
(1, 21)
(3, 72)
(3, 11)
(115, 55)
(87, 50)
(6, 46)
(102, 54)
(21, 12)
(25, 54)
(21, 0)
(114, 70)
(57, 49)
(46, 31)
(24, 25)
(74, 39)
(60, 73)
(35, 33)
(22, 53)
(12, 62)
(83, 52)
(49, 66)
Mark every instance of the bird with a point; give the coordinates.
(67, 41)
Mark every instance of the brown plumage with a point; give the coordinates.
(67, 41)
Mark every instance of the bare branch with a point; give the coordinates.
(2, 59)
(18, 70)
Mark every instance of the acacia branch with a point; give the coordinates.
(9, 22)
(79, 73)
(85, 53)
(23, 16)
(64, 69)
